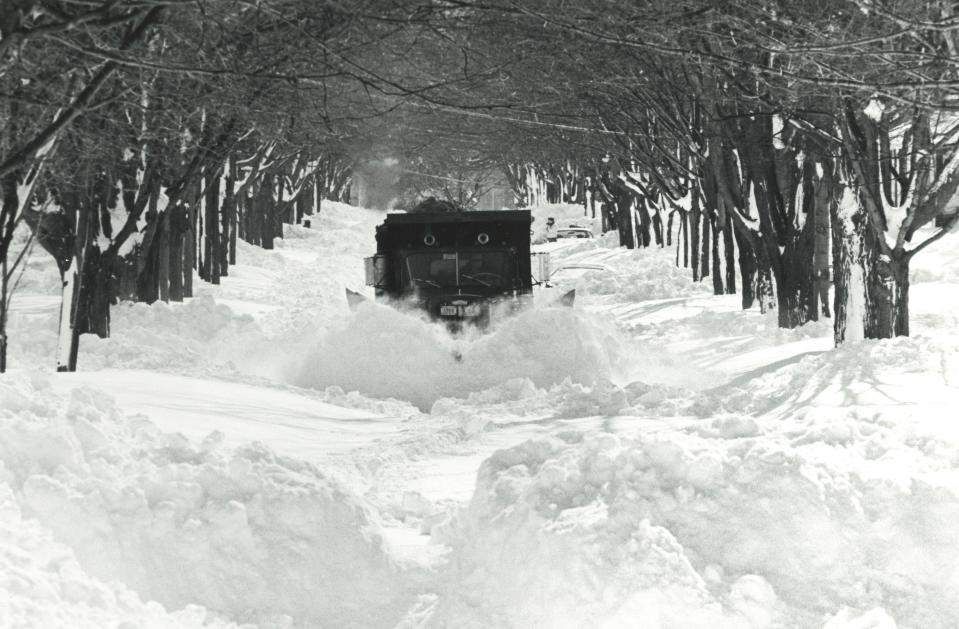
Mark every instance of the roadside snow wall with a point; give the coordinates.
(42, 585)
(251, 535)
(679, 531)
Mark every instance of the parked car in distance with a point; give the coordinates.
(572, 271)
(574, 232)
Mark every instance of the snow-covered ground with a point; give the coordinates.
(654, 457)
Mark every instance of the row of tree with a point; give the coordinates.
(765, 128)
(141, 139)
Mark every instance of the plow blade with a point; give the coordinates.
(567, 299)
(354, 299)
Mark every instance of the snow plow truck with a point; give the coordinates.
(454, 265)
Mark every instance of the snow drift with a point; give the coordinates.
(246, 533)
(43, 585)
(671, 530)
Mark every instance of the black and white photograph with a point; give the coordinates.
(479, 314)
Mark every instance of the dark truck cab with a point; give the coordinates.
(453, 265)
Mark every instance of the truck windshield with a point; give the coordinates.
(457, 268)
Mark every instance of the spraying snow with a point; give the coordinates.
(383, 352)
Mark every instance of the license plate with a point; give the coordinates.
(473, 310)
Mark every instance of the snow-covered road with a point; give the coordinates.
(292, 421)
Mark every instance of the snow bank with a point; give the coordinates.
(43, 585)
(382, 352)
(939, 262)
(907, 378)
(676, 530)
(542, 545)
(199, 335)
(638, 275)
(246, 533)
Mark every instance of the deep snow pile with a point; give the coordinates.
(677, 530)
(246, 533)
(635, 275)
(43, 585)
(199, 336)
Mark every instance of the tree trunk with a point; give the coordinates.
(232, 228)
(695, 216)
(179, 231)
(849, 228)
(888, 298)
(718, 288)
(189, 249)
(607, 210)
(318, 193)
(915, 182)
(147, 261)
(684, 228)
(590, 199)
(227, 211)
(821, 258)
(747, 267)
(872, 289)
(243, 214)
(729, 253)
(4, 305)
(786, 248)
(706, 240)
(93, 295)
(794, 285)
(900, 318)
(198, 215)
(264, 211)
(624, 218)
(163, 257)
(281, 209)
(765, 286)
(645, 237)
(211, 229)
(67, 339)
(658, 226)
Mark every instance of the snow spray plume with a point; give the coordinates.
(385, 353)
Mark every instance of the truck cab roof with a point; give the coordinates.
(484, 216)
